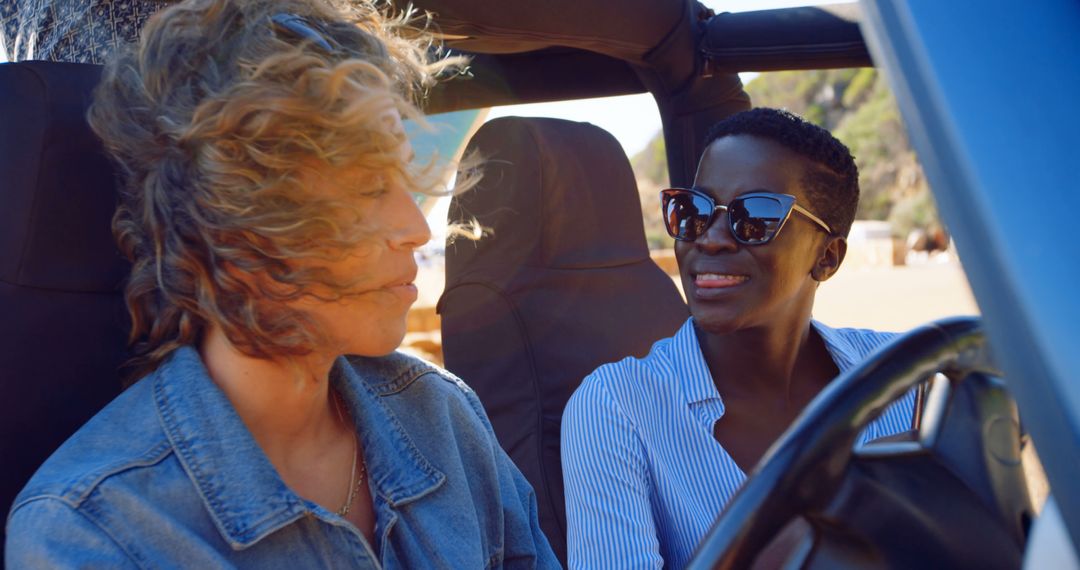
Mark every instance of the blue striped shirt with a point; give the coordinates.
(644, 476)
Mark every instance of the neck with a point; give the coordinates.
(285, 404)
(780, 361)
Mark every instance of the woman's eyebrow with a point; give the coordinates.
(358, 178)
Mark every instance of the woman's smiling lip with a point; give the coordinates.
(719, 280)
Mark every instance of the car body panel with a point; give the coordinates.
(988, 96)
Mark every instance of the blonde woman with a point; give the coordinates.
(269, 219)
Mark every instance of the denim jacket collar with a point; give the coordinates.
(397, 469)
(240, 488)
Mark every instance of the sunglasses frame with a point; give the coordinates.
(787, 201)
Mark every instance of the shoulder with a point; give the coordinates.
(625, 388)
(605, 383)
(124, 435)
(399, 371)
(645, 373)
(49, 533)
(854, 342)
(401, 379)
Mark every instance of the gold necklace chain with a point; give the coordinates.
(354, 481)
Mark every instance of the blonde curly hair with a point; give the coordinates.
(215, 118)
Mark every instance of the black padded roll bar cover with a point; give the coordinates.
(563, 284)
(554, 74)
(63, 326)
(564, 49)
(817, 37)
(624, 29)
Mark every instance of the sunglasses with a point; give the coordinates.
(754, 218)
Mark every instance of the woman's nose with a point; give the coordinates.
(717, 236)
(410, 228)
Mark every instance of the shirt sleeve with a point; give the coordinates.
(607, 483)
(48, 533)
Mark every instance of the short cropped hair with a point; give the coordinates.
(832, 184)
(213, 119)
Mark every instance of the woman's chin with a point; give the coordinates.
(375, 350)
(717, 322)
(375, 343)
(717, 329)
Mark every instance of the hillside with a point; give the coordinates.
(857, 106)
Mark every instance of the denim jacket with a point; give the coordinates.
(167, 475)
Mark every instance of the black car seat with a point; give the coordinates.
(562, 283)
(62, 323)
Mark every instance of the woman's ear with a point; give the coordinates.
(832, 255)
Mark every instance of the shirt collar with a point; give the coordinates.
(240, 488)
(843, 352)
(696, 379)
(693, 373)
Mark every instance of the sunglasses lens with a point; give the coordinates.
(686, 215)
(755, 220)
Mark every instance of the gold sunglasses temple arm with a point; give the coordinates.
(812, 217)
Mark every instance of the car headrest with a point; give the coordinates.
(538, 166)
(55, 221)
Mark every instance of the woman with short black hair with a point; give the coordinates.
(653, 448)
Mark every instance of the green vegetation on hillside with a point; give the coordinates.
(650, 169)
(857, 106)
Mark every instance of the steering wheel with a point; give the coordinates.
(955, 496)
